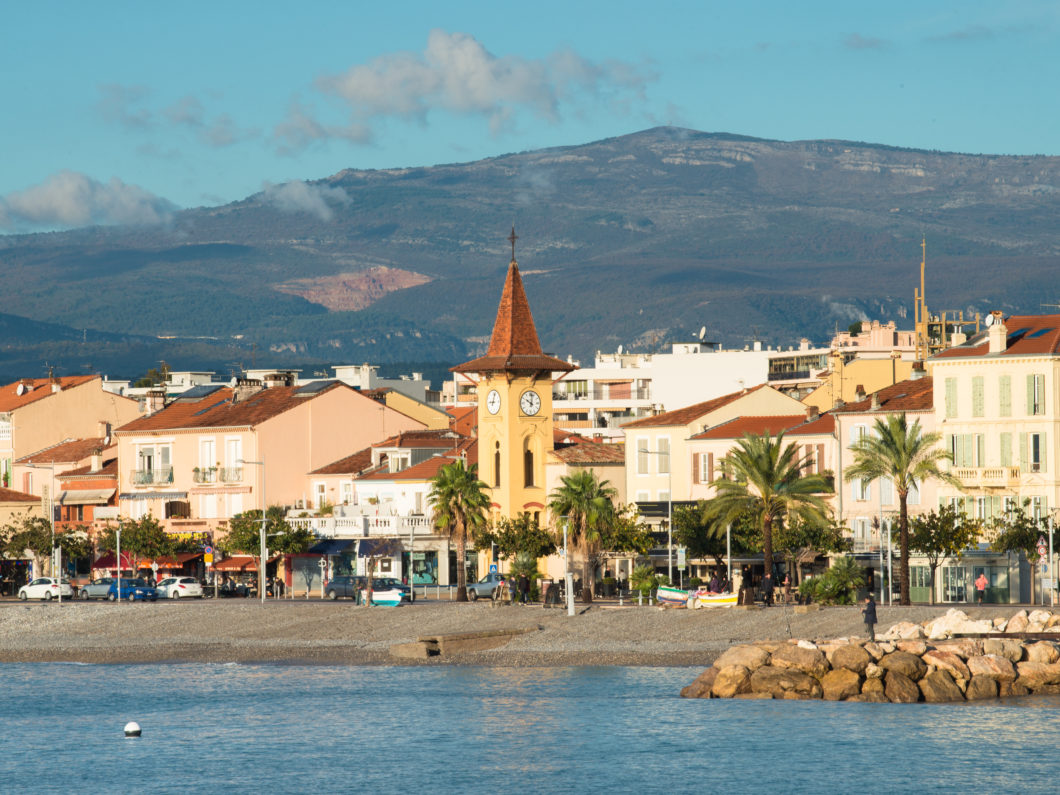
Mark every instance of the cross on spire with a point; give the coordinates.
(511, 239)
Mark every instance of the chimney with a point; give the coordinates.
(812, 413)
(875, 404)
(997, 334)
(278, 379)
(839, 403)
(245, 388)
(859, 392)
(97, 462)
(104, 432)
(917, 372)
(154, 400)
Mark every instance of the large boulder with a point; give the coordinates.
(1009, 689)
(938, 687)
(809, 661)
(1018, 623)
(1034, 675)
(981, 687)
(1054, 619)
(873, 671)
(905, 630)
(731, 679)
(853, 658)
(1004, 647)
(909, 665)
(900, 689)
(962, 647)
(873, 686)
(917, 647)
(956, 622)
(750, 657)
(1039, 617)
(840, 684)
(700, 687)
(949, 662)
(874, 650)
(1043, 651)
(997, 668)
(785, 683)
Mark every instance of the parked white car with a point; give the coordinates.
(179, 588)
(46, 588)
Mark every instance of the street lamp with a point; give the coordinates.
(46, 501)
(264, 506)
(669, 510)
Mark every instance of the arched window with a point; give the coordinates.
(497, 465)
(528, 467)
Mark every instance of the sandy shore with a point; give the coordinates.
(341, 633)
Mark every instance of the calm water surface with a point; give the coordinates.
(275, 728)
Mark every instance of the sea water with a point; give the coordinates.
(321, 729)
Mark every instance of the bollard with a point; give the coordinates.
(640, 598)
(620, 599)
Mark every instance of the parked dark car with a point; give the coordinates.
(345, 586)
(137, 590)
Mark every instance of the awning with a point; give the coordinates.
(378, 547)
(237, 563)
(107, 560)
(331, 546)
(153, 495)
(173, 561)
(85, 496)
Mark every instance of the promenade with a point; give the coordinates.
(313, 631)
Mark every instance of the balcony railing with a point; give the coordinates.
(789, 375)
(365, 526)
(987, 477)
(208, 475)
(602, 393)
(150, 477)
(231, 474)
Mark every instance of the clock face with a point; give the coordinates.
(530, 403)
(493, 401)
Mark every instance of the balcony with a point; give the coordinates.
(204, 475)
(365, 526)
(231, 474)
(151, 477)
(604, 393)
(987, 477)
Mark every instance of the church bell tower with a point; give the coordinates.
(515, 423)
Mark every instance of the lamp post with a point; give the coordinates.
(264, 508)
(568, 580)
(669, 510)
(46, 504)
(117, 563)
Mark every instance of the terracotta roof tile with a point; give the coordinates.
(109, 468)
(1028, 335)
(67, 451)
(350, 465)
(443, 439)
(10, 495)
(217, 410)
(34, 389)
(690, 413)
(424, 470)
(914, 394)
(465, 419)
(586, 453)
(738, 427)
(824, 424)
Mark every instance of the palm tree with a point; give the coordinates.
(587, 503)
(907, 456)
(764, 479)
(459, 505)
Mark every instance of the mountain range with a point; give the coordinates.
(634, 240)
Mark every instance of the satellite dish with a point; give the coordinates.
(702, 333)
(989, 320)
(619, 351)
(20, 389)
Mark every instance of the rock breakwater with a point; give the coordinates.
(909, 663)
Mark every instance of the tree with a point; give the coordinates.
(798, 537)
(586, 504)
(704, 535)
(945, 534)
(839, 585)
(763, 477)
(140, 539)
(458, 506)
(244, 533)
(906, 456)
(518, 537)
(1017, 531)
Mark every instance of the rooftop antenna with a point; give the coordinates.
(511, 239)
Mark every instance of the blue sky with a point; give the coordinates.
(121, 111)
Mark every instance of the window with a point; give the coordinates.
(528, 467)
(643, 496)
(1004, 388)
(977, 396)
(862, 490)
(886, 491)
(5, 430)
(320, 494)
(1035, 394)
(980, 450)
(1037, 452)
(1008, 505)
(1006, 449)
(496, 465)
(347, 492)
(642, 455)
(913, 497)
(951, 397)
(1037, 508)
(664, 496)
(663, 450)
(980, 508)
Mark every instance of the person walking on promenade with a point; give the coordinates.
(869, 611)
(787, 588)
(767, 589)
(524, 588)
(980, 586)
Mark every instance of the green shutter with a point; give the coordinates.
(1030, 396)
(1006, 449)
(1004, 386)
(1043, 444)
(967, 440)
(1023, 452)
(977, 396)
(951, 397)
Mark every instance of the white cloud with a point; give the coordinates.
(300, 129)
(457, 74)
(70, 199)
(303, 197)
(124, 105)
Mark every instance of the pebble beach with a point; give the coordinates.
(344, 634)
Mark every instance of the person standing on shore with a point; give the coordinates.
(767, 589)
(869, 611)
(980, 585)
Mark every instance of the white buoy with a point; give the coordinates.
(132, 729)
